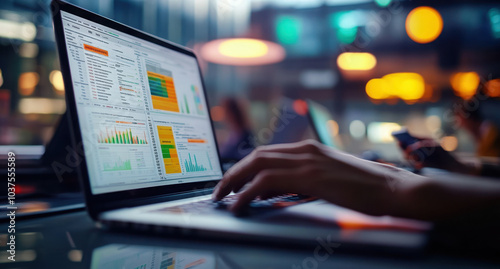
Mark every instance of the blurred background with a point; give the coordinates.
(375, 65)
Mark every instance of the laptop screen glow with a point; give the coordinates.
(321, 119)
(141, 109)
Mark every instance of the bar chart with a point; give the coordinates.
(196, 162)
(117, 165)
(161, 84)
(168, 150)
(117, 135)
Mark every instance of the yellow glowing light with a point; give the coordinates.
(1, 78)
(333, 127)
(243, 48)
(356, 61)
(449, 143)
(406, 86)
(411, 89)
(378, 89)
(242, 51)
(492, 87)
(424, 24)
(56, 80)
(465, 84)
(27, 83)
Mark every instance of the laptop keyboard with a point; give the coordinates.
(256, 205)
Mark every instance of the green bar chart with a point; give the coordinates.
(118, 165)
(195, 163)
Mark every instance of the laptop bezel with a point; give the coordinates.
(97, 203)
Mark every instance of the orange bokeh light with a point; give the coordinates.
(27, 83)
(424, 24)
(493, 87)
(465, 84)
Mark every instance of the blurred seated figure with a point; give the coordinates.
(472, 115)
(241, 140)
(477, 122)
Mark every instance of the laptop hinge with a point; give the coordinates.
(155, 199)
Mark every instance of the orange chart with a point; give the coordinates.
(168, 150)
(163, 90)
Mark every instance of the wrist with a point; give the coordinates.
(409, 194)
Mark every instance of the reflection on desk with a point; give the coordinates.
(141, 257)
(72, 241)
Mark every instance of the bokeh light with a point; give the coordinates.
(494, 15)
(465, 84)
(25, 31)
(75, 255)
(356, 61)
(383, 3)
(449, 143)
(217, 113)
(300, 107)
(433, 123)
(424, 24)
(406, 86)
(346, 24)
(28, 50)
(27, 83)
(243, 48)
(288, 29)
(378, 89)
(357, 129)
(242, 51)
(492, 87)
(1, 78)
(42, 106)
(381, 132)
(56, 79)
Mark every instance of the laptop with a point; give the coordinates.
(147, 155)
(322, 123)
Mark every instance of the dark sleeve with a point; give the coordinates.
(490, 170)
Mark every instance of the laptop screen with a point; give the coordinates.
(141, 110)
(323, 124)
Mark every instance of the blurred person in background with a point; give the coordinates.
(473, 115)
(241, 139)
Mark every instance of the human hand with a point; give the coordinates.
(428, 153)
(313, 169)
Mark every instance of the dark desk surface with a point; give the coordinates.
(72, 241)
